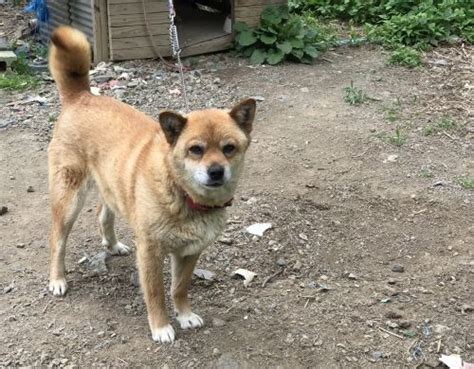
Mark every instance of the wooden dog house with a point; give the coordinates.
(136, 29)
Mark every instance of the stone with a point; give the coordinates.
(377, 355)
(298, 265)
(98, 263)
(398, 269)
(6, 58)
(3, 210)
(217, 322)
(281, 262)
(30, 189)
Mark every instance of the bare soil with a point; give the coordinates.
(374, 241)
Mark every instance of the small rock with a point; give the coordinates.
(3, 210)
(398, 269)
(304, 89)
(101, 334)
(20, 245)
(391, 158)
(298, 265)
(440, 329)
(324, 277)
(8, 289)
(303, 237)
(392, 281)
(226, 241)
(312, 284)
(438, 184)
(377, 355)
(352, 276)
(391, 324)
(466, 308)
(98, 263)
(259, 98)
(281, 262)
(82, 260)
(217, 322)
(215, 351)
(404, 324)
(393, 315)
(30, 189)
(103, 78)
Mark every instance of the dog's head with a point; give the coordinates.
(208, 148)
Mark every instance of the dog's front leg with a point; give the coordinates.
(182, 272)
(150, 267)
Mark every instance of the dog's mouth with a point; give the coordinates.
(214, 184)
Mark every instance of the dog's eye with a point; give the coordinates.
(228, 149)
(196, 150)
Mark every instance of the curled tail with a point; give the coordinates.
(69, 61)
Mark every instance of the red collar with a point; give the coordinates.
(196, 206)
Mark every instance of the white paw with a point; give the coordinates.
(58, 287)
(190, 320)
(119, 249)
(163, 335)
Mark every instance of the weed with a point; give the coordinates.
(354, 96)
(52, 118)
(446, 123)
(20, 65)
(392, 115)
(425, 173)
(406, 56)
(466, 182)
(428, 130)
(20, 82)
(398, 139)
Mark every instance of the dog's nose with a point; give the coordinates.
(216, 172)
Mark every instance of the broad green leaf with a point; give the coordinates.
(311, 51)
(296, 43)
(246, 38)
(268, 39)
(241, 26)
(297, 53)
(285, 47)
(275, 56)
(258, 56)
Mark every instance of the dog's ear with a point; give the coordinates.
(244, 113)
(172, 125)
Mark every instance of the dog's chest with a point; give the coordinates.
(192, 235)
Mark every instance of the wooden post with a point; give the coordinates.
(101, 33)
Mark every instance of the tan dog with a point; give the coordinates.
(171, 180)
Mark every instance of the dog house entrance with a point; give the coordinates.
(203, 25)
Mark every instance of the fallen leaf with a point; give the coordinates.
(258, 228)
(246, 274)
(204, 274)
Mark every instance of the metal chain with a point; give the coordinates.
(176, 50)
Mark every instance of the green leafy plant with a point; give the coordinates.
(20, 77)
(406, 56)
(425, 173)
(20, 82)
(466, 182)
(446, 123)
(354, 96)
(398, 139)
(280, 36)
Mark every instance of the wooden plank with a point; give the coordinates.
(138, 53)
(209, 46)
(144, 41)
(248, 12)
(138, 30)
(101, 39)
(136, 19)
(251, 21)
(135, 1)
(126, 9)
(219, 44)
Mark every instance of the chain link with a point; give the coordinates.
(176, 50)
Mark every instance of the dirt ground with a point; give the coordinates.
(373, 241)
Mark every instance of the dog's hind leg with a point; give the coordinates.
(68, 189)
(182, 271)
(106, 227)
